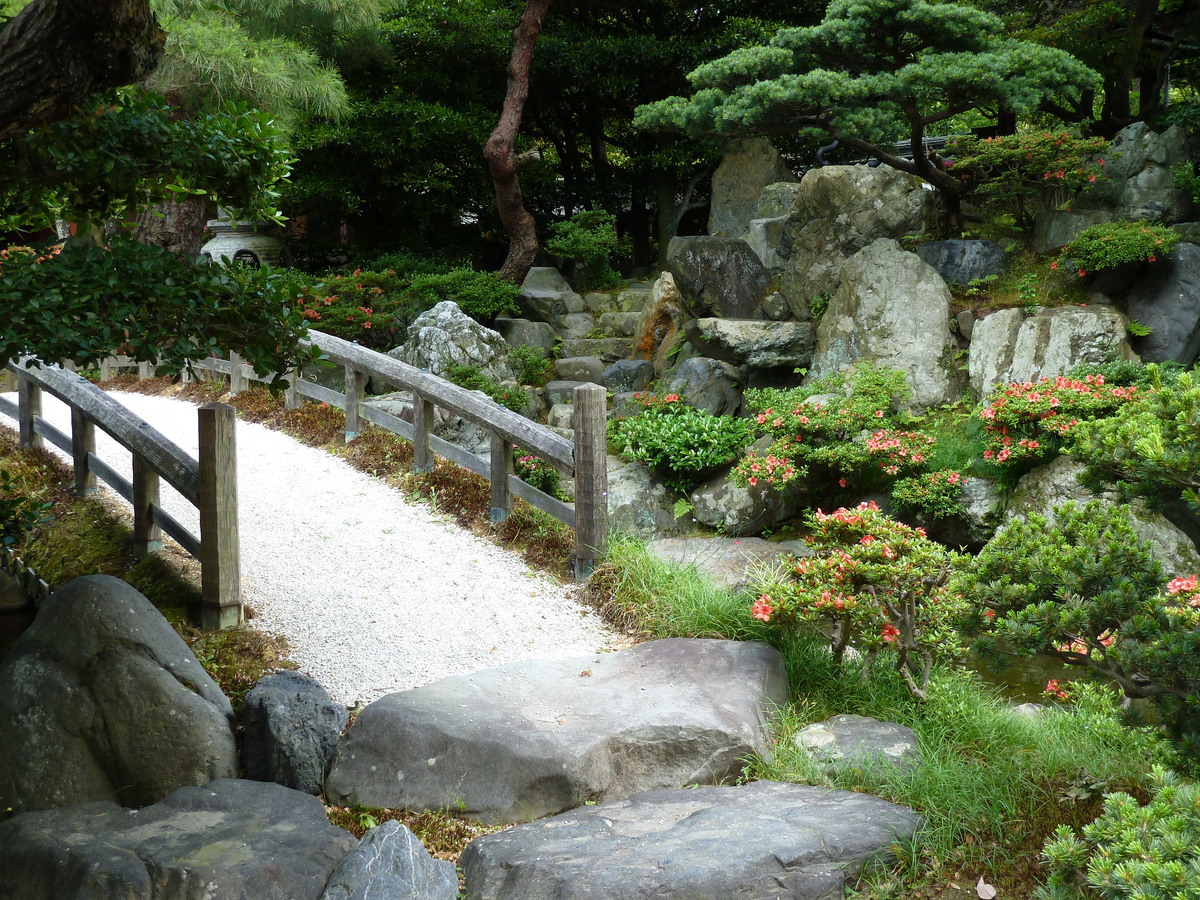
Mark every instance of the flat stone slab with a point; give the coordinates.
(754, 841)
(726, 561)
(236, 840)
(531, 739)
(860, 741)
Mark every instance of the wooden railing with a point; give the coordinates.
(583, 459)
(209, 483)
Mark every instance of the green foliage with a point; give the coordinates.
(86, 303)
(682, 442)
(589, 238)
(20, 513)
(1023, 173)
(1188, 178)
(532, 365)
(1083, 588)
(818, 305)
(481, 295)
(1152, 445)
(1112, 244)
(1026, 422)
(1131, 851)
(827, 433)
(537, 472)
(871, 72)
(472, 379)
(876, 584)
(937, 495)
(127, 149)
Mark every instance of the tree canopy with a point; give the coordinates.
(873, 72)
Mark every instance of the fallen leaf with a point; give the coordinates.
(985, 890)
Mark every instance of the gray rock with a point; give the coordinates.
(754, 343)
(445, 336)
(546, 297)
(893, 309)
(1011, 345)
(707, 384)
(1057, 482)
(1140, 183)
(747, 167)
(524, 333)
(574, 326)
(290, 731)
(638, 502)
(719, 277)
(533, 738)
(580, 368)
(629, 375)
(1167, 301)
(237, 840)
(658, 325)
(620, 324)
(860, 742)
(837, 211)
(624, 404)
(726, 561)
(561, 415)
(607, 349)
(1056, 228)
(100, 699)
(389, 861)
(754, 842)
(561, 391)
(633, 298)
(765, 237)
(736, 510)
(775, 307)
(961, 262)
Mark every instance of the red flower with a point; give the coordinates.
(762, 608)
(890, 632)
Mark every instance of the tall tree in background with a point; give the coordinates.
(500, 152)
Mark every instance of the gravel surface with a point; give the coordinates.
(373, 594)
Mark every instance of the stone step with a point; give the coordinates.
(608, 349)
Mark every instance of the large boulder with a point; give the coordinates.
(747, 167)
(754, 343)
(707, 384)
(961, 262)
(1057, 482)
(445, 336)
(893, 309)
(638, 502)
(389, 861)
(658, 324)
(1013, 345)
(236, 840)
(290, 729)
(525, 333)
(101, 700)
(1167, 301)
(1140, 183)
(759, 840)
(740, 510)
(1056, 228)
(859, 742)
(547, 297)
(727, 561)
(534, 738)
(718, 276)
(837, 211)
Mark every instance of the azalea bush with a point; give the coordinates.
(535, 471)
(937, 495)
(371, 308)
(683, 443)
(1082, 587)
(875, 584)
(821, 425)
(1027, 421)
(1113, 244)
(1024, 173)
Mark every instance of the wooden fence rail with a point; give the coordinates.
(584, 459)
(208, 483)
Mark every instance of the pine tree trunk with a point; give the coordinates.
(55, 53)
(500, 150)
(177, 225)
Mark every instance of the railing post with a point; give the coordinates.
(422, 427)
(591, 477)
(237, 381)
(145, 369)
(147, 536)
(29, 399)
(356, 383)
(8, 379)
(83, 442)
(291, 397)
(502, 467)
(220, 568)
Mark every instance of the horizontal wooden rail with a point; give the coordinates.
(205, 482)
(583, 459)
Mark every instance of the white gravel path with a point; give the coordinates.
(373, 594)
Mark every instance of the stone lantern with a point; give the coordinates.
(241, 242)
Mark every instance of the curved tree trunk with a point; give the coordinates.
(54, 53)
(176, 225)
(500, 150)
